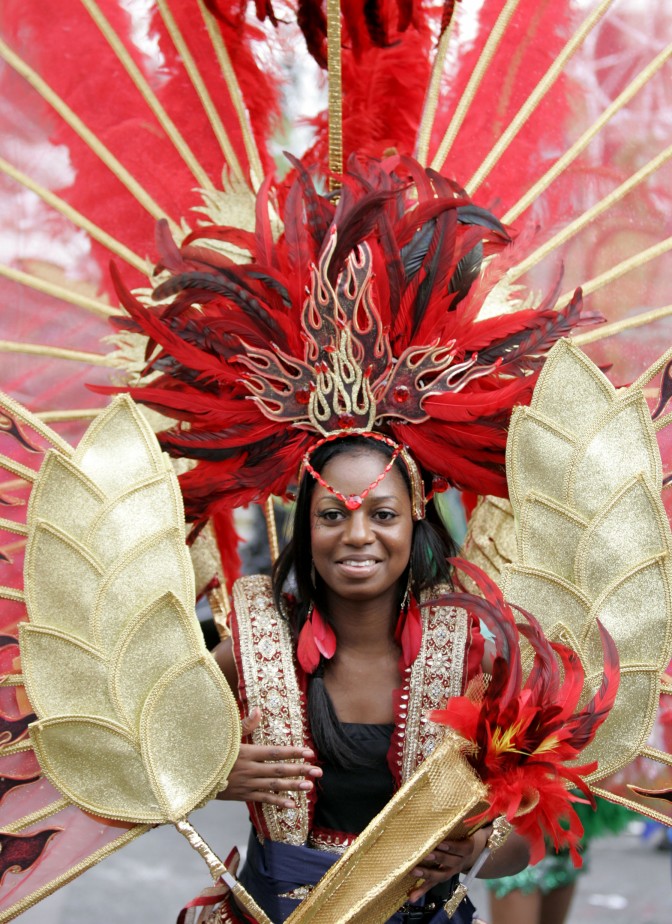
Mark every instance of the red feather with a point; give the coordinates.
(523, 736)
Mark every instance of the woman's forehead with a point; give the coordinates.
(353, 471)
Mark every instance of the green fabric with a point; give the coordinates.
(553, 872)
(556, 869)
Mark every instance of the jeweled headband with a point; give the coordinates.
(354, 501)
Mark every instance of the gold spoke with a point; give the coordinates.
(582, 143)
(39, 349)
(474, 83)
(93, 305)
(591, 214)
(199, 85)
(224, 61)
(619, 270)
(537, 95)
(88, 137)
(80, 221)
(148, 95)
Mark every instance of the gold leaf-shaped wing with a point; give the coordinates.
(592, 538)
(113, 656)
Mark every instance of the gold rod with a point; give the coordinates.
(21, 823)
(661, 422)
(662, 757)
(12, 680)
(11, 527)
(474, 83)
(172, 131)
(218, 870)
(201, 89)
(653, 370)
(54, 290)
(229, 74)
(644, 76)
(74, 414)
(15, 468)
(13, 911)
(434, 93)
(620, 269)
(335, 91)
(19, 748)
(80, 221)
(272, 530)
(38, 349)
(537, 95)
(631, 804)
(617, 327)
(88, 137)
(22, 414)
(591, 214)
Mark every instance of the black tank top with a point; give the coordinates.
(347, 800)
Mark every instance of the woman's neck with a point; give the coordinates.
(364, 624)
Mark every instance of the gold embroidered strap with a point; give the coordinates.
(435, 676)
(268, 680)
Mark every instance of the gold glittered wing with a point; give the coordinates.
(592, 538)
(113, 658)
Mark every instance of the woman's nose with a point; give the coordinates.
(358, 528)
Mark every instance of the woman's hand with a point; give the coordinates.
(446, 860)
(264, 773)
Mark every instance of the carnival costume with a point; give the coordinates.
(369, 293)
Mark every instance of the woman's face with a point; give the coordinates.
(361, 554)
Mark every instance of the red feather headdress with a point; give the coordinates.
(360, 316)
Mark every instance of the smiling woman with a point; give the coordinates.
(349, 660)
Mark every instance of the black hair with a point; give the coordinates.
(431, 547)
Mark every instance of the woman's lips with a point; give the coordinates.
(357, 567)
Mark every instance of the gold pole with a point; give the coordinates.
(617, 327)
(433, 93)
(37, 349)
(475, 80)
(219, 871)
(582, 143)
(272, 529)
(335, 88)
(537, 95)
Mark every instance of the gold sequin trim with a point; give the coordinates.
(434, 677)
(271, 684)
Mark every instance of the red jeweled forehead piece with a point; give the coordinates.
(354, 501)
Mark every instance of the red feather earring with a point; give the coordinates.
(315, 638)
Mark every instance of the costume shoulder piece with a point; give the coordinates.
(435, 675)
(268, 679)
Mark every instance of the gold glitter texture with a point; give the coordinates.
(592, 538)
(135, 721)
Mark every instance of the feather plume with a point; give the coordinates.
(522, 736)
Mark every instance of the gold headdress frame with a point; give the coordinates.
(399, 451)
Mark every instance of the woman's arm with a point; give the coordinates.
(451, 857)
(263, 773)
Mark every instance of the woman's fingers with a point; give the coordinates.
(251, 722)
(265, 752)
(446, 860)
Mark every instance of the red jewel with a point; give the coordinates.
(303, 395)
(439, 484)
(354, 502)
(401, 394)
(347, 421)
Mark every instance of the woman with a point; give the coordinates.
(361, 556)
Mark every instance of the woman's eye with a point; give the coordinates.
(385, 515)
(330, 515)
